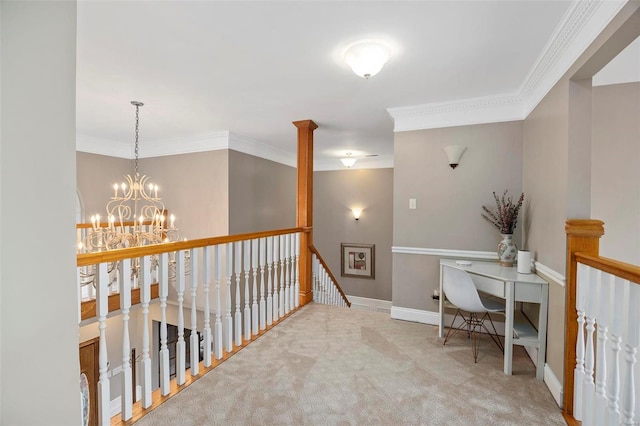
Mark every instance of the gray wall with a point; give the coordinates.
(615, 193)
(335, 194)
(40, 366)
(96, 175)
(449, 201)
(262, 194)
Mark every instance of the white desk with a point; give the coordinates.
(506, 283)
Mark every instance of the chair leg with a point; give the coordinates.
(494, 336)
(453, 331)
(475, 337)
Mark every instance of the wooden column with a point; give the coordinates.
(583, 236)
(304, 211)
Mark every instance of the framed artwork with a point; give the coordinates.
(357, 260)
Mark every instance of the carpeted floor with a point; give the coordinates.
(336, 366)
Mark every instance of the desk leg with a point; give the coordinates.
(542, 332)
(508, 328)
(441, 307)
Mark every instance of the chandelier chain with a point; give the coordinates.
(137, 135)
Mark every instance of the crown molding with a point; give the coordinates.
(101, 146)
(259, 149)
(164, 147)
(580, 25)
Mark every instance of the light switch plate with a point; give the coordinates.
(412, 203)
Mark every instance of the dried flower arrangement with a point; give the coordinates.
(506, 216)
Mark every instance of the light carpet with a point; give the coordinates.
(335, 366)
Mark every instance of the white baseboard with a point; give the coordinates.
(554, 385)
(414, 315)
(367, 304)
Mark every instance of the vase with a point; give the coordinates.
(507, 250)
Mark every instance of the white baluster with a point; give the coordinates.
(126, 396)
(314, 277)
(589, 364)
(194, 341)
(616, 312)
(228, 320)
(604, 280)
(630, 335)
(238, 314)
(283, 246)
(276, 297)
(263, 307)
(163, 292)
(218, 325)
(254, 270)
(296, 294)
(102, 309)
(207, 341)
(269, 281)
(581, 289)
(287, 273)
(145, 298)
(292, 279)
(247, 296)
(181, 347)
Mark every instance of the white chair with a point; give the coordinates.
(461, 292)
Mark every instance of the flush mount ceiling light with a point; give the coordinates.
(366, 58)
(349, 161)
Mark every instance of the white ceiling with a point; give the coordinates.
(238, 72)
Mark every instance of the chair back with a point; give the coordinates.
(460, 290)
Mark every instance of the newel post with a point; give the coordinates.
(583, 236)
(304, 210)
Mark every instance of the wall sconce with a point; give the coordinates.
(356, 213)
(349, 161)
(454, 153)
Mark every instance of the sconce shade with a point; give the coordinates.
(348, 161)
(356, 213)
(454, 153)
(366, 58)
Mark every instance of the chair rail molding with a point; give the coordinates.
(471, 254)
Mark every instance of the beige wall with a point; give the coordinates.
(615, 175)
(449, 201)
(96, 175)
(194, 187)
(262, 194)
(335, 194)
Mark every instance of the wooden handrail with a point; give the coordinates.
(314, 250)
(619, 269)
(86, 259)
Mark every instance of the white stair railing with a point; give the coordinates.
(325, 289)
(606, 374)
(268, 265)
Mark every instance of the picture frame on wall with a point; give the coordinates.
(357, 260)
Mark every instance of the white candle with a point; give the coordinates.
(155, 188)
(93, 221)
(172, 219)
(98, 221)
(115, 190)
(124, 189)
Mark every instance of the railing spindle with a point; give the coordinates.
(283, 246)
(126, 395)
(262, 309)
(276, 297)
(228, 319)
(144, 274)
(247, 297)
(296, 293)
(583, 276)
(287, 274)
(631, 336)
(601, 355)
(238, 315)
(207, 338)
(181, 348)
(613, 395)
(163, 293)
(194, 341)
(218, 325)
(254, 269)
(270, 302)
(102, 309)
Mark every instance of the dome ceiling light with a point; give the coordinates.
(367, 57)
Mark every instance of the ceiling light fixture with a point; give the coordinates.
(366, 58)
(349, 161)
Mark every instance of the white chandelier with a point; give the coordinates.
(135, 214)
